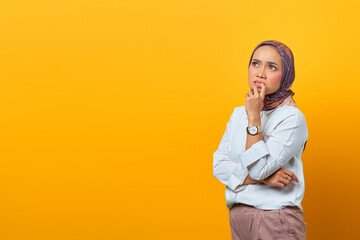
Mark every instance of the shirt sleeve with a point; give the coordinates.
(229, 172)
(263, 158)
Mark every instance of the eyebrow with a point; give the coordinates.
(267, 62)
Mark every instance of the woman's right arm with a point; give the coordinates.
(229, 172)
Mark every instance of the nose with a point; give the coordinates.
(261, 73)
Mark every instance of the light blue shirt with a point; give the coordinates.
(284, 136)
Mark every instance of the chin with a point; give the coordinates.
(269, 93)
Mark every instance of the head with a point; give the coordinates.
(266, 67)
(272, 63)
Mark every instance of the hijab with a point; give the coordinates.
(283, 96)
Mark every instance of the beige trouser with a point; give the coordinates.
(250, 223)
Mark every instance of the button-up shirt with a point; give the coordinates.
(284, 136)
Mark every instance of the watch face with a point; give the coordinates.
(253, 130)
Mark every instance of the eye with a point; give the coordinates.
(253, 63)
(272, 67)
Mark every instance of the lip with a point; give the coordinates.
(257, 83)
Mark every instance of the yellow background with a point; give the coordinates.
(110, 112)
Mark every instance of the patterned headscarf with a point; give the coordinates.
(288, 75)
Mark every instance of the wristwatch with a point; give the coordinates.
(253, 129)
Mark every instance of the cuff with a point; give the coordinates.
(254, 153)
(237, 178)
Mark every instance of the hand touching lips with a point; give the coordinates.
(254, 101)
(257, 84)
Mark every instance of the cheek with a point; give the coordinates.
(250, 71)
(251, 74)
(275, 80)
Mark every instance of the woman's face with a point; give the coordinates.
(266, 67)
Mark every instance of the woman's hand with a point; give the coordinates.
(281, 178)
(254, 101)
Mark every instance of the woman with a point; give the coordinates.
(259, 156)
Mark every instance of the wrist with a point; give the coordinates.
(254, 117)
(254, 120)
(256, 181)
(260, 181)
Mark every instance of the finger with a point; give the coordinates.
(262, 91)
(284, 181)
(287, 177)
(281, 185)
(295, 178)
(256, 91)
(291, 174)
(287, 172)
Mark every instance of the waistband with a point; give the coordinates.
(249, 208)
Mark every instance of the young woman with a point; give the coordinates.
(259, 156)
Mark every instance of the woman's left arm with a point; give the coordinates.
(263, 159)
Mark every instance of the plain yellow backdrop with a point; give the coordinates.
(111, 111)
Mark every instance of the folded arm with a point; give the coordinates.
(260, 160)
(263, 159)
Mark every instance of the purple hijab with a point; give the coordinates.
(288, 75)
